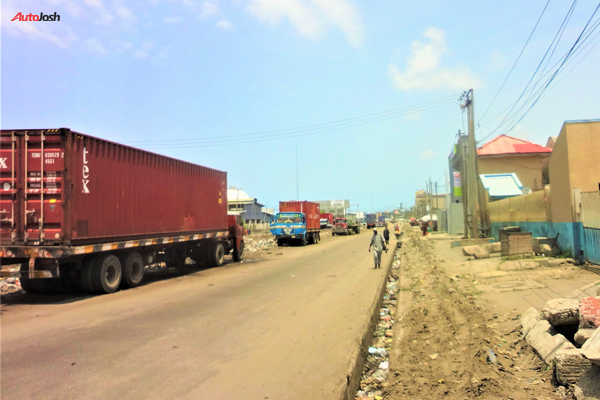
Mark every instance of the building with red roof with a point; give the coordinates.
(506, 154)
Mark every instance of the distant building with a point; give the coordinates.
(251, 210)
(336, 207)
(507, 154)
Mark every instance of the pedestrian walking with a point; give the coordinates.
(378, 244)
(386, 235)
(424, 226)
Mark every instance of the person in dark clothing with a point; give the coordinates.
(424, 226)
(386, 235)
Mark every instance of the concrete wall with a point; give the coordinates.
(527, 167)
(569, 238)
(534, 207)
(455, 218)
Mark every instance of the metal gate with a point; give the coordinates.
(590, 218)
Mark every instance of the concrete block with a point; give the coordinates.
(480, 253)
(561, 312)
(529, 319)
(588, 387)
(546, 342)
(570, 366)
(591, 348)
(589, 312)
(493, 247)
(582, 336)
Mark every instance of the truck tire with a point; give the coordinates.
(280, 243)
(303, 241)
(132, 265)
(238, 254)
(86, 274)
(106, 274)
(215, 255)
(311, 238)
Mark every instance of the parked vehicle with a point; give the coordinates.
(328, 217)
(347, 225)
(371, 221)
(297, 221)
(79, 210)
(381, 221)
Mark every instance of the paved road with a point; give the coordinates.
(282, 328)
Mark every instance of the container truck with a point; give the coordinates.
(79, 210)
(326, 220)
(347, 225)
(371, 221)
(297, 221)
(381, 221)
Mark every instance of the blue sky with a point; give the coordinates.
(172, 76)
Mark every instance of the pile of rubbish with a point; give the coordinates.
(253, 246)
(9, 285)
(376, 368)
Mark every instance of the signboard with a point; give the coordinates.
(457, 188)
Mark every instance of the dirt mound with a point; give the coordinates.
(449, 345)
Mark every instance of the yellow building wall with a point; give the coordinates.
(534, 207)
(527, 167)
(574, 164)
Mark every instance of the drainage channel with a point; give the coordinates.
(376, 367)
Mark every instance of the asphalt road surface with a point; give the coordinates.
(282, 328)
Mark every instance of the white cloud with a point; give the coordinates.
(225, 25)
(311, 18)
(345, 16)
(128, 19)
(95, 47)
(172, 20)
(208, 9)
(424, 70)
(121, 46)
(427, 154)
(301, 17)
(94, 3)
(144, 50)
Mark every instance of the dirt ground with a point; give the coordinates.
(449, 333)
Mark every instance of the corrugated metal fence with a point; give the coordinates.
(590, 218)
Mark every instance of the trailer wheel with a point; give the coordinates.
(238, 254)
(132, 265)
(86, 274)
(280, 243)
(216, 254)
(106, 274)
(311, 238)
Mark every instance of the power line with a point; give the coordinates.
(516, 61)
(557, 70)
(306, 127)
(306, 132)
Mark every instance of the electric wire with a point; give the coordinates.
(516, 61)
(372, 116)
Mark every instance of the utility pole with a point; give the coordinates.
(297, 183)
(472, 167)
(464, 185)
(430, 200)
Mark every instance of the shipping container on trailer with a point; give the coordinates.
(328, 217)
(68, 201)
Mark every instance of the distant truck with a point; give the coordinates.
(371, 221)
(347, 225)
(297, 221)
(381, 221)
(326, 220)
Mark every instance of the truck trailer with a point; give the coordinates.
(371, 221)
(326, 220)
(83, 211)
(297, 221)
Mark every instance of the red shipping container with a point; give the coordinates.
(328, 217)
(312, 211)
(89, 190)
